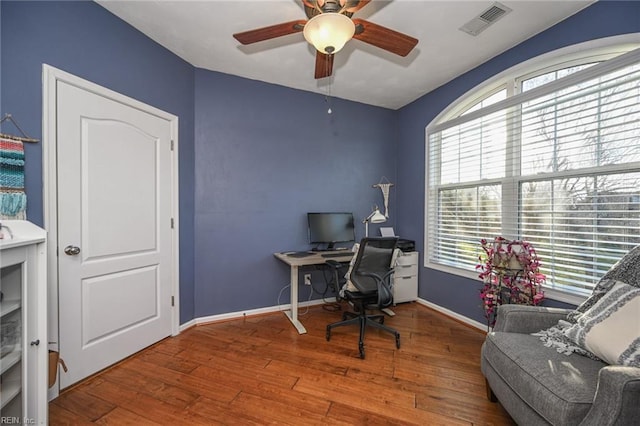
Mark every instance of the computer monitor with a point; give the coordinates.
(330, 228)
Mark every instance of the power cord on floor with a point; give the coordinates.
(327, 306)
(308, 299)
(306, 311)
(330, 305)
(280, 294)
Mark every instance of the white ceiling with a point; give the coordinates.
(200, 32)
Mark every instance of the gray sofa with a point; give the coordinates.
(539, 386)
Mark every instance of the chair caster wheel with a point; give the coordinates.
(398, 341)
(382, 320)
(328, 335)
(361, 346)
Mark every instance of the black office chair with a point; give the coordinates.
(371, 275)
(338, 280)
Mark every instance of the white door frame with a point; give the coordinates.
(50, 77)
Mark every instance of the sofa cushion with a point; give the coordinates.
(610, 329)
(560, 388)
(626, 270)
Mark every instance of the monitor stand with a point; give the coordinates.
(330, 247)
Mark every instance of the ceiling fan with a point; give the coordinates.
(329, 27)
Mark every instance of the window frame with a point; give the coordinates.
(512, 80)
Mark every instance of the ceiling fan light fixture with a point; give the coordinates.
(329, 32)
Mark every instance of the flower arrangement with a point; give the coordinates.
(510, 271)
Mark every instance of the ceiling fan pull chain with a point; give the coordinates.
(327, 97)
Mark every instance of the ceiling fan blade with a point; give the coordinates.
(310, 3)
(267, 33)
(384, 38)
(352, 6)
(324, 65)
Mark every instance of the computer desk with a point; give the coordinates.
(315, 258)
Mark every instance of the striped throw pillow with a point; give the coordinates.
(610, 329)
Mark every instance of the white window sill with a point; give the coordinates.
(549, 293)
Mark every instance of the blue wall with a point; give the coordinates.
(265, 156)
(603, 19)
(86, 40)
(254, 157)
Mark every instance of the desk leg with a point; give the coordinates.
(293, 313)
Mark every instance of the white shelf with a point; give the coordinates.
(10, 389)
(23, 368)
(8, 306)
(24, 234)
(9, 360)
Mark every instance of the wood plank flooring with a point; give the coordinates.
(259, 370)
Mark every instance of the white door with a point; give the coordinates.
(114, 201)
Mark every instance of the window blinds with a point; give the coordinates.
(558, 165)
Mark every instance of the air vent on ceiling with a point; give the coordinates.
(486, 18)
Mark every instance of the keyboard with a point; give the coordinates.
(299, 254)
(338, 254)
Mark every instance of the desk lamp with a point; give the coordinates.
(374, 217)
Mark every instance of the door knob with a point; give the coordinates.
(72, 250)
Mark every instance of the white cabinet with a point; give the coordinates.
(23, 324)
(405, 278)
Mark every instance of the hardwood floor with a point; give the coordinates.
(258, 370)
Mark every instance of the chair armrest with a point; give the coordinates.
(617, 397)
(383, 287)
(527, 319)
(376, 277)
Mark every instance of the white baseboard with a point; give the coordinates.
(186, 325)
(251, 312)
(454, 315)
(280, 308)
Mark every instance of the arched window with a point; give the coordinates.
(551, 156)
